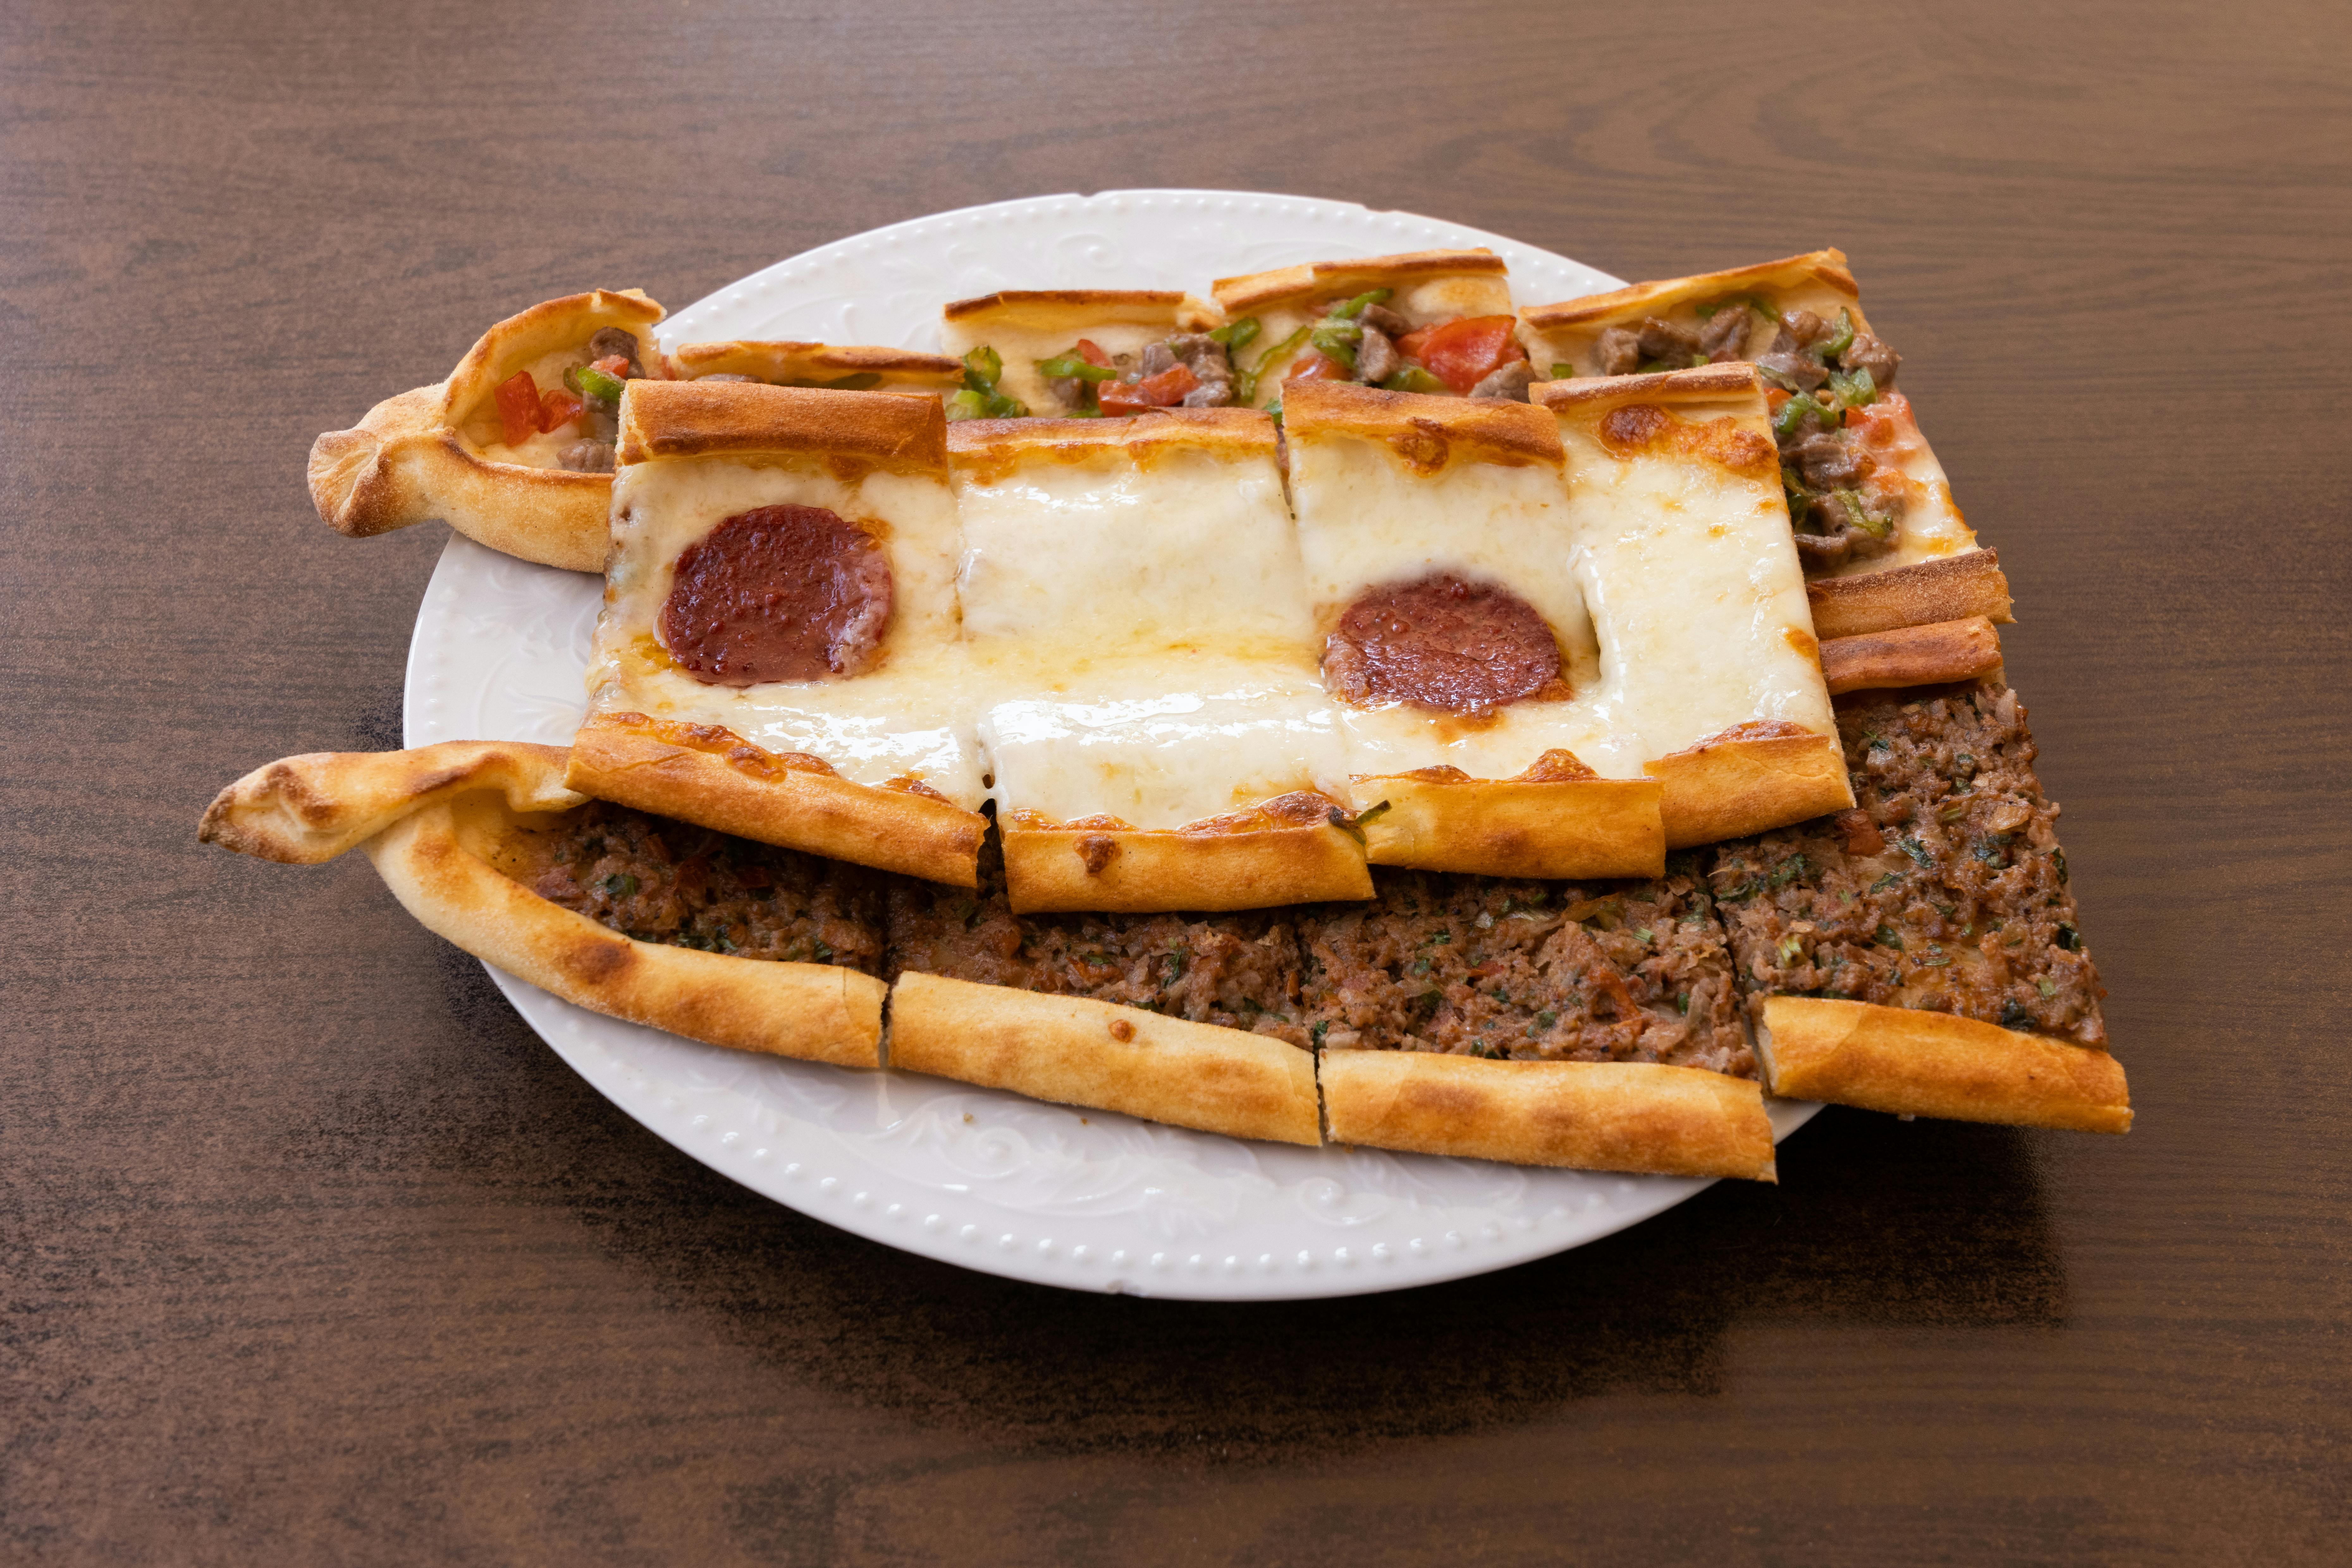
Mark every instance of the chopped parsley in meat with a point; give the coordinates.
(1944, 888)
(1819, 374)
(1237, 971)
(1484, 966)
(661, 880)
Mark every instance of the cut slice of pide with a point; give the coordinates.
(1865, 493)
(1455, 638)
(1706, 651)
(832, 366)
(778, 655)
(1080, 352)
(1187, 1018)
(1157, 737)
(514, 448)
(1434, 321)
(1920, 952)
(646, 918)
(1592, 1025)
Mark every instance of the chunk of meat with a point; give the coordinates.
(612, 343)
(1830, 461)
(1801, 329)
(1509, 381)
(1724, 335)
(1669, 341)
(1386, 320)
(1211, 365)
(1619, 351)
(587, 457)
(1794, 368)
(1376, 357)
(1157, 359)
(1873, 354)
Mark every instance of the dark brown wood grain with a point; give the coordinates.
(310, 1252)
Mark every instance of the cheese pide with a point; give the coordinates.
(1157, 732)
(778, 655)
(1883, 543)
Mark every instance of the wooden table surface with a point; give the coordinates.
(310, 1252)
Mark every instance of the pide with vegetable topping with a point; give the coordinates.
(1342, 707)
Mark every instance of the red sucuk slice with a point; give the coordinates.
(778, 593)
(1441, 643)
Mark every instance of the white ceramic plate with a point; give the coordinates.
(973, 1176)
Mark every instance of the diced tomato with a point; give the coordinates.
(1886, 426)
(518, 397)
(614, 365)
(1163, 391)
(558, 408)
(1776, 396)
(1091, 351)
(1464, 351)
(1313, 366)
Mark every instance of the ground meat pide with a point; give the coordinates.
(1483, 966)
(1237, 971)
(1943, 890)
(661, 880)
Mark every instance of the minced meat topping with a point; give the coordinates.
(1237, 971)
(1943, 889)
(1533, 971)
(661, 880)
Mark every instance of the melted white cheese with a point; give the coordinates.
(1147, 633)
(912, 715)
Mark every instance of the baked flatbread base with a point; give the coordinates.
(1569, 828)
(1596, 1116)
(433, 819)
(1075, 1051)
(1935, 1064)
(1128, 871)
(1728, 787)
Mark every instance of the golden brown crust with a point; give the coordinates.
(1075, 1051)
(817, 363)
(1592, 1116)
(713, 777)
(1515, 827)
(989, 449)
(1951, 588)
(744, 419)
(1935, 1064)
(815, 1012)
(1589, 399)
(1133, 871)
(1049, 310)
(1750, 777)
(407, 463)
(1638, 300)
(1258, 291)
(1423, 432)
(308, 809)
(1911, 655)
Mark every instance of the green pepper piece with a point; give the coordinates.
(1337, 341)
(1876, 527)
(1801, 499)
(1790, 420)
(1858, 390)
(1274, 410)
(1245, 382)
(1065, 365)
(967, 404)
(982, 368)
(1830, 348)
(1355, 307)
(1413, 378)
(1000, 406)
(593, 383)
(1237, 335)
(1563, 370)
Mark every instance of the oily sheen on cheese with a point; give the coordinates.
(911, 716)
(1140, 609)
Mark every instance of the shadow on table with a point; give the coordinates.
(1876, 1220)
